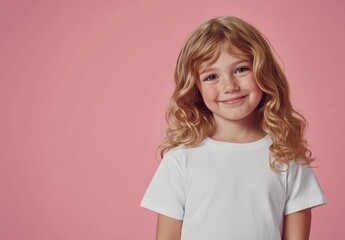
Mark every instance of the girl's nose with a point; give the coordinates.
(230, 85)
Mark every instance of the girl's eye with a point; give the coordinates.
(210, 78)
(241, 70)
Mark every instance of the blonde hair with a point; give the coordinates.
(190, 121)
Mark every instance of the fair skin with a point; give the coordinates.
(231, 93)
(297, 225)
(168, 228)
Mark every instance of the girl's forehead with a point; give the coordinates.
(234, 52)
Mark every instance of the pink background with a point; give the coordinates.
(83, 91)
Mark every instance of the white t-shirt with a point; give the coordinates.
(225, 191)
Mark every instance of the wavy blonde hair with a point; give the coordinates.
(190, 121)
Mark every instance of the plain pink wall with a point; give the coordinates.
(84, 86)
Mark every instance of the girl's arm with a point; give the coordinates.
(168, 228)
(297, 225)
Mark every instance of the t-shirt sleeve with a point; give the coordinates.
(166, 192)
(303, 189)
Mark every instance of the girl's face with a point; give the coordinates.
(228, 88)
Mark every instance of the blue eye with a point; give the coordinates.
(241, 70)
(210, 78)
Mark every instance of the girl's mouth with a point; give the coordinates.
(234, 100)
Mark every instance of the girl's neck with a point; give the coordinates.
(238, 131)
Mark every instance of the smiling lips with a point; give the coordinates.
(233, 100)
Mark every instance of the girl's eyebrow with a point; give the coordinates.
(205, 70)
(211, 69)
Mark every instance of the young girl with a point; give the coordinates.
(235, 160)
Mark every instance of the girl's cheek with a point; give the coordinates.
(210, 94)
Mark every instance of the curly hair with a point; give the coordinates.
(190, 121)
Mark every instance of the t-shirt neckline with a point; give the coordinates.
(266, 140)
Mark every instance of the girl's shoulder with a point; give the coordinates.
(183, 150)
